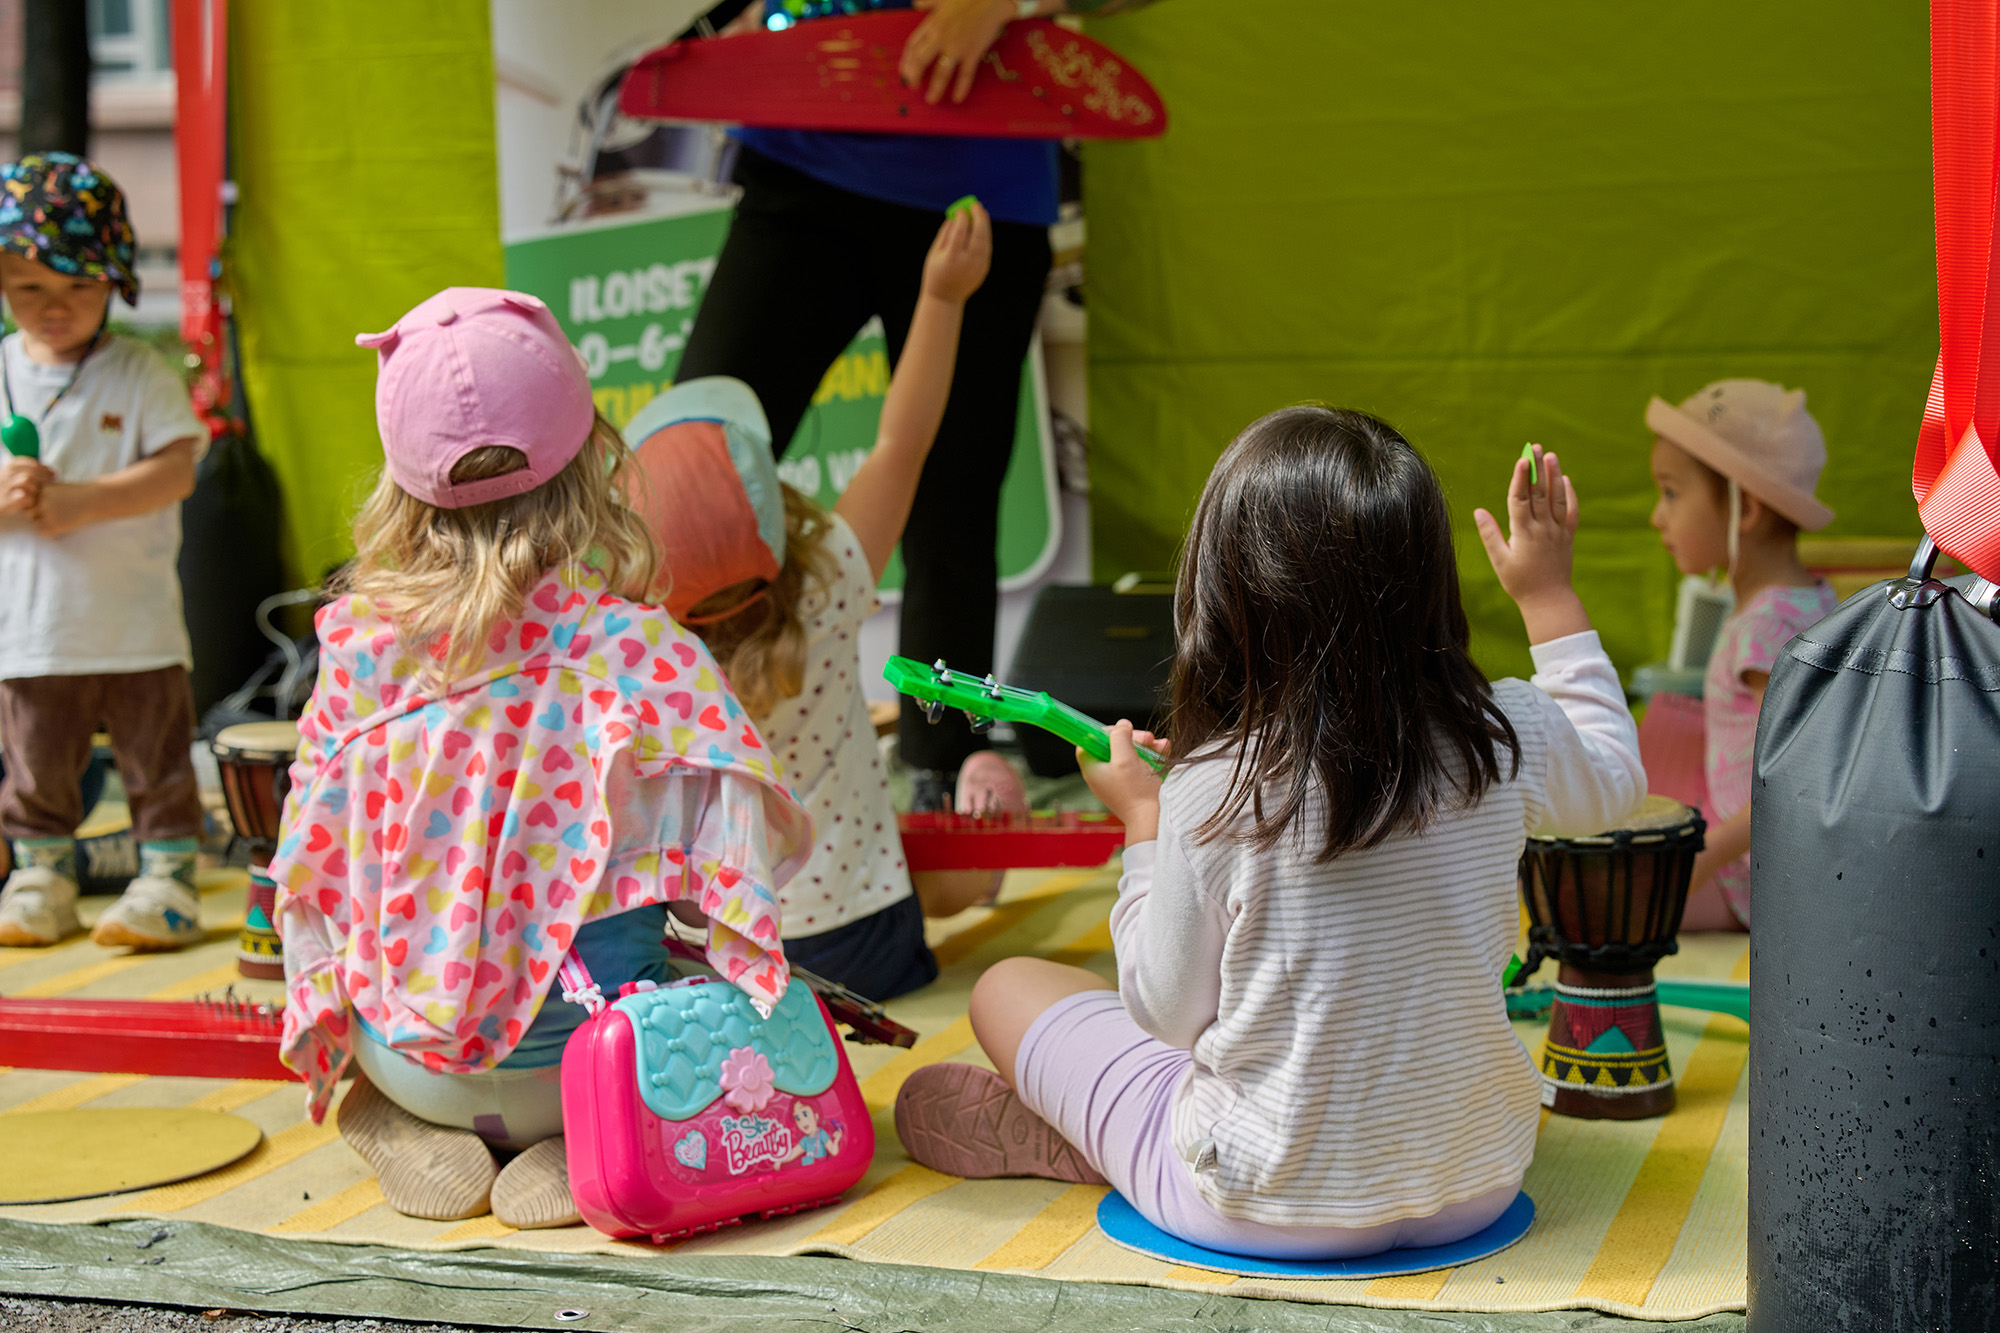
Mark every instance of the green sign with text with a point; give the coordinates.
(626, 292)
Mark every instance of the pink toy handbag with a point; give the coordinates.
(684, 1110)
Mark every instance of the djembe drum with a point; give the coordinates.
(1607, 908)
(255, 760)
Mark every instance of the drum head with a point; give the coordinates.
(1658, 816)
(1659, 812)
(269, 741)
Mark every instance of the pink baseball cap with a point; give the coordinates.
(476, 366)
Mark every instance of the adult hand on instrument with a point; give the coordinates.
(951, 42)
(1533, 559)
(1127, 785)
(21, 483)
(960, 255)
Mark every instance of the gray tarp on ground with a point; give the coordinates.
(206, 1266)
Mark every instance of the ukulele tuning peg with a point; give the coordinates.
(933, 710)
(980, 725)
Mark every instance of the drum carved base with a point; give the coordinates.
(1605, 1057)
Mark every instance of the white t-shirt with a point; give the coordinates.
(1353, 1063)
(827, 744)
(105, 598)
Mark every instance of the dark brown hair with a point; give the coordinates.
(1321, 642)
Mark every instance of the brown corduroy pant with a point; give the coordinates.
(46, 723)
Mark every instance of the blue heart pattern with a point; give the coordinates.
(692, 1150)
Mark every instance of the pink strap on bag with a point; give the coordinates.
(577, 987)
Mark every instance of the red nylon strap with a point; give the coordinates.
(1955, 477)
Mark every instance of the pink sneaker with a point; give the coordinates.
(965, 1121)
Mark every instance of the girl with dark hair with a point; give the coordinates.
(1307, 1055)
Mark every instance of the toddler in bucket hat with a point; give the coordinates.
(1736, 465)
(62, 212)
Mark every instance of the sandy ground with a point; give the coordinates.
(23, 1315)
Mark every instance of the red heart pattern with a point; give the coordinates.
(405, 788)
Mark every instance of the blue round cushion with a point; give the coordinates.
(1122, 1223)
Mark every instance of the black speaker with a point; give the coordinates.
(1103, 652)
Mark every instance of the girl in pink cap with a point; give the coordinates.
(1736, 465)
(505, 758)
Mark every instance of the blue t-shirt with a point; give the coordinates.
(616, 949)
(1015, 179)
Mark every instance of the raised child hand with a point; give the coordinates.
(960, 255)
(1533, 559)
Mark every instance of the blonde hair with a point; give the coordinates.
(446, 577)
(762, 649)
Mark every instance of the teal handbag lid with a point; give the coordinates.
(684, 1032)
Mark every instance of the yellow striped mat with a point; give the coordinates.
(1644, 1219)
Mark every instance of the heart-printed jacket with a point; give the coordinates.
(438, 854)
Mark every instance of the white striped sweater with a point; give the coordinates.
(1353, 1064)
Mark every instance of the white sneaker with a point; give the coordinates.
(154, 913)
(37, 908)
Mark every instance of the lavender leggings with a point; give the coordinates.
(1089, 1070)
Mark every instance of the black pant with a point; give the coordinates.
(881, 956)
(804, 267)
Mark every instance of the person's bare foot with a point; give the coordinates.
(987, 785)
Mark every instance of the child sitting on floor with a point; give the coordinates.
(91, 631)
(1736, 465)
(779, 588)
(1308, 1055)
(504, 758)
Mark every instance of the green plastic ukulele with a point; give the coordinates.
(987, 701)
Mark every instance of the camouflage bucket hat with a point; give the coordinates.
(60, 211)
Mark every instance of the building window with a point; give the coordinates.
(129, 39)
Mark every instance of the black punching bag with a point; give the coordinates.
(1875, 971)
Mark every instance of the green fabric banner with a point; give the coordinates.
(361, 142)
(1501, 223)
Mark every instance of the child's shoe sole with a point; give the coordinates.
(425, 1170)
(965, 1121)
(533, 1190)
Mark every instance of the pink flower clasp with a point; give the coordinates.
(746, 1079)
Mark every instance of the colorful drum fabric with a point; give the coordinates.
(259, 952)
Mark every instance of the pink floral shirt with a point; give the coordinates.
(438, 854)
(1750, 641)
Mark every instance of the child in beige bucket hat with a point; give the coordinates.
(1736, 466)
